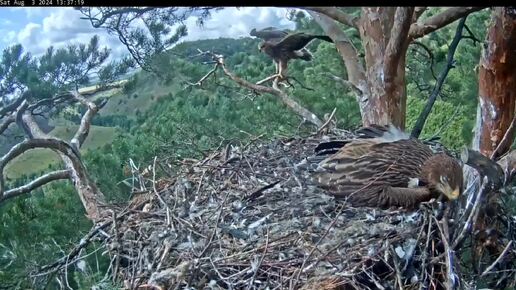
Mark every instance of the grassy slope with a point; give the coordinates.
(146, 92)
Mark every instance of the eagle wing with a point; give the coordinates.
(270, 34)
(370, 169)
(297, 41)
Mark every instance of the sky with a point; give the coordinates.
(37, 28)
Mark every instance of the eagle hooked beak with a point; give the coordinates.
(452, 194)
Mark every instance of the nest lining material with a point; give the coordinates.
(243, 218)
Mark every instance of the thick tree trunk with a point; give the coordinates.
(388, 97)
(384, 33)
(494, 133)
(497, 85)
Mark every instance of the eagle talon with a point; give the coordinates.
(283, 46)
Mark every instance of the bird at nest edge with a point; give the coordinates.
(385, 167)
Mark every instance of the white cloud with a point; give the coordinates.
(62, 26)
(237, 22)
(28, 36)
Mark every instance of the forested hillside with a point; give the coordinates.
(173, 118)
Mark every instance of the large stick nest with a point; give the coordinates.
(243, 218)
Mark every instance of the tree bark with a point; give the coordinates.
(91, 197)
(385, 33)
(497, 85)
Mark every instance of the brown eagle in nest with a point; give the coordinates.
(385, 167)
(283, 46)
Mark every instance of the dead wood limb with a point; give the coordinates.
(336, 14)
(36, 183)
(420, 123)
(200, 82)
(21, 147)
(349, 54)
(284, 97)
(269, 78)
(328, 121)
(442, 19)
(91, 197)
(84, 128)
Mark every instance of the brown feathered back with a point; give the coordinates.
(377, 168)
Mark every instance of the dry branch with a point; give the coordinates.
(84, 128)
(26, 145)
(284, 97)
(420, 123)
(440, 20)
(336, 14)
(91, 197)
(36, 183)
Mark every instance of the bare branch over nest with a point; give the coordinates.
(437, 21)
(420, 123)
(84, 127)
(336, 14)
(274, 90)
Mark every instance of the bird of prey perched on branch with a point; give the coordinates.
(385, 167)
(283, 46)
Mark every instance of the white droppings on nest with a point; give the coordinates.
(232, 233)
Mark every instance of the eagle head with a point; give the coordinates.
(444, 175)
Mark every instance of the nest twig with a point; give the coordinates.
(244, 218)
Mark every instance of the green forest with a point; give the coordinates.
(171, 119)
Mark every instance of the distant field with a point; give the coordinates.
(145, 94)
(36, 160)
